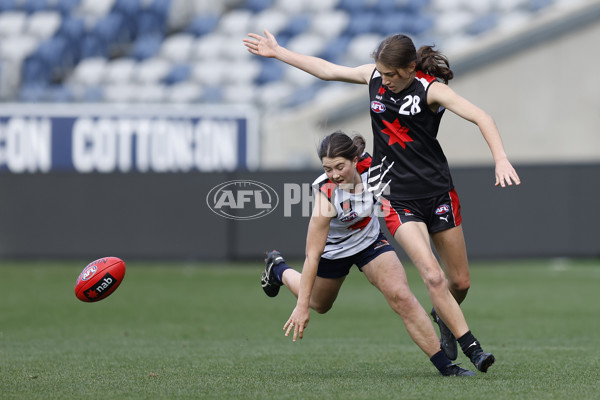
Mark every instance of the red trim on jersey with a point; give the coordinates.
(364, 164)
(428, 78)
(455, 207)
(392, 219)
(360, 224)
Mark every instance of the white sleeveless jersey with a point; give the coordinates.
(355, 226)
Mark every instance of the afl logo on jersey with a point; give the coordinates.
(443, 209)
(377, 107)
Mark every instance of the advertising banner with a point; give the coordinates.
(108, 139)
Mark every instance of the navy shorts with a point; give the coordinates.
(341, 267)
(438, 213)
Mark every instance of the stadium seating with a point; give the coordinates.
(191, 50)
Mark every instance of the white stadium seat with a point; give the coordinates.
(12, 23)
(89, 72)
(177, 47)
(120, 70)
(17, 48)
(152, 70)
(44, 24)
(184, 92)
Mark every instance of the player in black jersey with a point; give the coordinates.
(410, 173)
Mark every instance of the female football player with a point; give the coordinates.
(344, 230)
(408, 95)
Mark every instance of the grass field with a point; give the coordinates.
(206, 331)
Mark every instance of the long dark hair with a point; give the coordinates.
(398, 51)
(339, 144)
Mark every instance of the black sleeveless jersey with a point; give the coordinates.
(408, 160)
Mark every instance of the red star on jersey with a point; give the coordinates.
(397, 133)
(381, 90)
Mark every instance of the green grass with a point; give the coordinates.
(208, 332)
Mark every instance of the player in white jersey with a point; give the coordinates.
(344, 231)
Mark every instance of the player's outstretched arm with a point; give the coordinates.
(318, 228)
(267, 46)
(441, 94)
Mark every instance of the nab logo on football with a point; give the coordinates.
(242, 199)
(101, 287)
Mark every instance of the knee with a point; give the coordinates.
(461, 285)
(402, 301)
(321, 308)
(435, 280)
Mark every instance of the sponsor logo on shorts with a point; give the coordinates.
(443, 209)
(377, 107)
(380, 244)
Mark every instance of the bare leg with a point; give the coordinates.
(324, 291)
(414, 239)
(450, 245)
(387, 274)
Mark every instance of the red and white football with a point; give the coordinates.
(99, 279)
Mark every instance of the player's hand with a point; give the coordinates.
(506, 174)
(265, 46)
(298, 322)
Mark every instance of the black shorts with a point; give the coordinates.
(341, 267)
(438, 213)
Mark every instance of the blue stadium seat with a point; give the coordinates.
(31, 92)
(362, 22)
(212, 94)
(32, 6)
(146, 46)
(482, 24)
(150, 23)
(65, 7)
(335, 49)
(203, 24)
(271, 71)
(58, 94)
(73, 30)
(52, 59)
(296, 25)
(304, 95)
(160, 8)
(92, 94)
(92, 46)
(7, 5)
(129, 8)
(396, 22)
(112, 29)
(258, 5)
(179, 73)
(353, 6)
(35, 72)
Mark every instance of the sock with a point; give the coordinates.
(278, 271)
(468, 344)
(440, 360)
